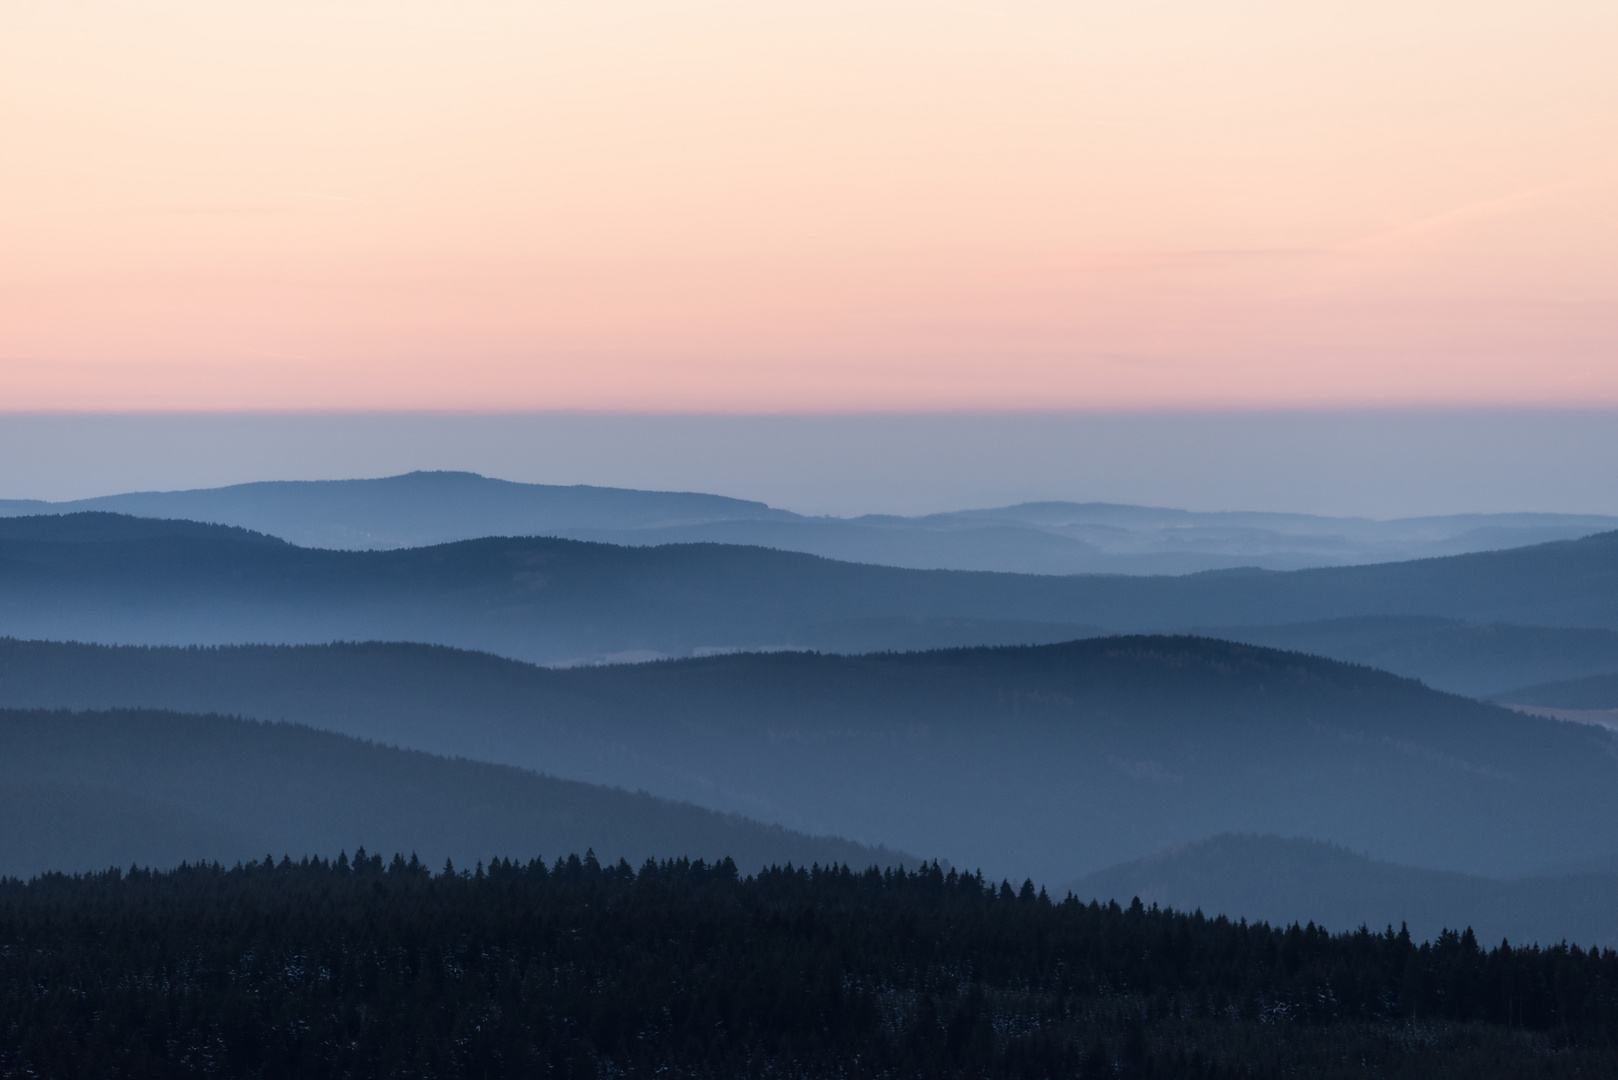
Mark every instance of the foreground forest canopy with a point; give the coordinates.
(353, 968)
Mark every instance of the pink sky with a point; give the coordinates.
(826, 206)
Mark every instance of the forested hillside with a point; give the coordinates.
(81, 791)
(1054, 761)
(102, 577)
(313, 969)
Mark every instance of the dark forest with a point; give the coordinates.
(354, 968)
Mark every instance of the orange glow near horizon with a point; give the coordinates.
(823, 207)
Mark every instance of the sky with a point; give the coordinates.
(822, 208)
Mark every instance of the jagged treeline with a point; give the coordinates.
(352, 968)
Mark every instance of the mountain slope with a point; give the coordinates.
(120, 579)
(1054, 760)
(1281, 881)
(1593, 692)
(84, 790)
(1474, 658)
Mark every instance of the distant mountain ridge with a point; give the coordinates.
(1052, 760)
(415, 509)
(1475, 658)
(116, 579)
(426, 508)
(104, 527)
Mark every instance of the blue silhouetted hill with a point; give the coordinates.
(555, 600)
(1058, 760)
(87, 790)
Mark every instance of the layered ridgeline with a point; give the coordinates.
(424, 508)
(1054, 761)
(1278, 880)
(84, 791)
(103, 577)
